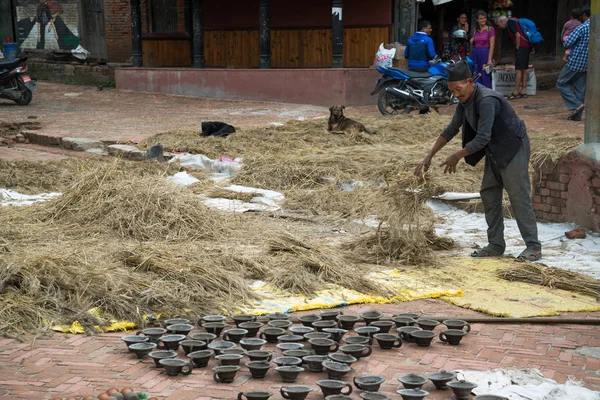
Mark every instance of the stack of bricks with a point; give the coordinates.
(550, 192)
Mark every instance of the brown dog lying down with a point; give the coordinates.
(337, 121)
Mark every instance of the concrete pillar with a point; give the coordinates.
(197, 34)
(264, 33)
(592, 95)
(136, 33)
(404, 11)
(337, 33)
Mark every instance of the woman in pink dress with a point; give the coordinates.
(483, 40)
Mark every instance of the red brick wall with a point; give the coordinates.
(117, 25)
(550, 193)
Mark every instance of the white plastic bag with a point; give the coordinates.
(384, 57)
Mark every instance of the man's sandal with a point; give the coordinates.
(485, 252)
(522, 95)
(512, 96)
(529, 255)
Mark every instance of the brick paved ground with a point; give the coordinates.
(66, 365)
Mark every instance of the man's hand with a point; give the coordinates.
(450, 164)
(423, 166)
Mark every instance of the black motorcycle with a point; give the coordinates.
(14, 84)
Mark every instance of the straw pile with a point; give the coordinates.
(552, 277)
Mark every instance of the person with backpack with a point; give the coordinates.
(524, 47)
(574, 73)
(483, 40)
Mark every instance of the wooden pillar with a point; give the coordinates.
(187, 17)
(404, 11)
(264, 33)
(197, 34)
(136, 33)
(337, 33)
(592, 95)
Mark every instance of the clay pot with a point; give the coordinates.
(314, 362)
(323, 346)
(258, 369)
(371, 316)
(161, 354)
(190, 346)
(347, 321)
(291, 339)
(289, 373)
(241, 318)
(254, 395)
(218, 347)
(412, 381)
(309, 319)
(373, 396)
(174, 366)
(457, 324)
(357, 350)
(289, 346)
(452, 336)
(298, 353)
(461, 389)
(239, 352)
(234, 335)
(388, 341)
(174, 321)
(282, 361)
(403, 321)
(301, 330)
(384, 326)
(225, 373)
(320, 325)
(358, 340)
(129, 340)
(251, 327)
(422, 338)
(317, 335)
(271, 335)
(203, 337)
(367, 330)
(212, 318)
(170, 342)
(490, 397)
(180, 329)
(408, 315)
(259, 355)
(152, 333)
(427, 324)
(330, 315)
(441, 379)
(332, 386)
(295, 392)
(338, 397)
(201, 358)
(336, 333)
(229, 359)
(370, 383)
(214, 327)
(405, 331)
(336, 370)
(275, 316)
(412, 394)
(252, 344)
(342, 358)
(280, 323)
(142, 350)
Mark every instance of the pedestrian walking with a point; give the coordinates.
(483, 41)
(491, 129)
(572, 79)
(522, 51)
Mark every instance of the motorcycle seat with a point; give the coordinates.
(413, 74)
(10, 64)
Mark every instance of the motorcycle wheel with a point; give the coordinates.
(385, 103)
(26, 97)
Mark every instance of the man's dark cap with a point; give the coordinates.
(459, 71)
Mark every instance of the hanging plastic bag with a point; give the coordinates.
(384, 57)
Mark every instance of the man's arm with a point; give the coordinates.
(431, 49)
(406, 54)
(573, 37)
(512, 27)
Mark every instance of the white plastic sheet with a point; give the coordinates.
(11, 198)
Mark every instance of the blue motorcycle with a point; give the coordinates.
(402, 90)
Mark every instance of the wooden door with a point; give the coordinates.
(92, 26)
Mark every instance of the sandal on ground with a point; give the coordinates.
(529, 255)
(577, 113)
(512, 96)
(485, 252)
(522, 95)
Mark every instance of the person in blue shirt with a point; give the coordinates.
(420, 48)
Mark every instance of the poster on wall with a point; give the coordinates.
(47, 24)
